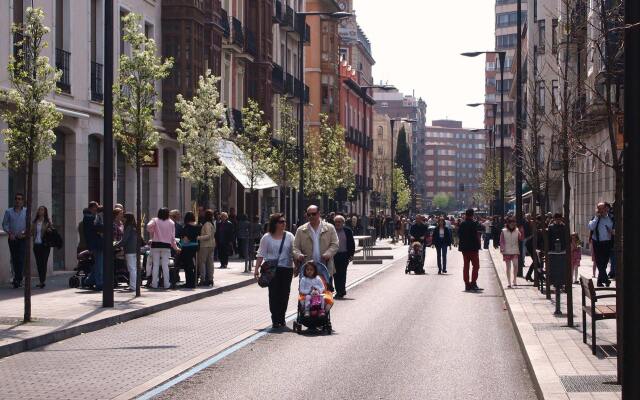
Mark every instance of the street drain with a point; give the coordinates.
(589, 383)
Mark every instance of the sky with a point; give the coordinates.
(417, 46)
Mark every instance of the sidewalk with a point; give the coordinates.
(561, 365)
(126, 360)
(59, 312)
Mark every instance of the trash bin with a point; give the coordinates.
(558, 264)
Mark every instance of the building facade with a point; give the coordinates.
(454, 163)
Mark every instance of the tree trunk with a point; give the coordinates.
(138, 229)
(27, 258)
(250, 246)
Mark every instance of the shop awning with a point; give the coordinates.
(233, 158)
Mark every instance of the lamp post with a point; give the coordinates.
(492, 143)
(393, 198)
(501, 57)
(107, 250)
(335, 15)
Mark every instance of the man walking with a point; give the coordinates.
(469, 234)
(316, 241)
(224, 236)
(15, 224)
(346, 250)
(601, 227)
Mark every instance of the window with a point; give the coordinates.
(554, 36)
(555, 101)
(506, 41)
(542, 31)
(491, 82)
(509, 19)
(380, 131)
(541, 89)
(505, 85)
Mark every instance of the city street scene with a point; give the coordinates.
(319, 199)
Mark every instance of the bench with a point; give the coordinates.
(596, 312)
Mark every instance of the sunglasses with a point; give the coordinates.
(312, 214)
(281, 221)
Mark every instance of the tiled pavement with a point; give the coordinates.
(121, 360)
(562, 364)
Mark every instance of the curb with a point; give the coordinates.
(56, 336)
(516, 329)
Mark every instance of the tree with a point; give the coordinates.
(30, 117)
(403, 156)
(402, 189)
(255, 142)
(285, 153)
(135, 100)
(441, 201)
(490, 180)
(203, 125)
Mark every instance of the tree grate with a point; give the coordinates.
(589, 383)
(34, 321)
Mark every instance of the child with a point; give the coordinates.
(510, 247)
(576, 255)
(416, 249)
(311, 285)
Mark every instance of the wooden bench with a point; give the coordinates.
(596, 312)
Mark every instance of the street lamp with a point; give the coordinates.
(335, 15)
(393, 202)
(107, 251)
(501, 56)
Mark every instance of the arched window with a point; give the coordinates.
(380, 131)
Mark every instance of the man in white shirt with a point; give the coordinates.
(316, 240)
(487, 232)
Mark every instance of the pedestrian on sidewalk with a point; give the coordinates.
(163, 239)
(15, 224)
(129, 244)
(576, 256)
(602, 227)
(509, 247)
(41, 227)
(469, 233)
(191, 230)
(316, 240)
(206, 250)
(442, 241)
(276, 248)
(346, 250)
(487, 233)
(93, 227)
(224, 235)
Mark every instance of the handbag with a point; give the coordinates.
(52, 238)
(268, 268)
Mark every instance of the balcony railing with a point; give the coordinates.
(277, 78)
(250, 43)
(288, 17)
(62, 63)
(299, 89)
(224, 23)
(300, 25)
(238, 35)
(277, 16)
(289, 85)
(96, 82)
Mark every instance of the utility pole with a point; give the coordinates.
(107, 179)
(519, 177)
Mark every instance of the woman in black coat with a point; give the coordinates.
(442, 240)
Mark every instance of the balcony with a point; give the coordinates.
(277, 78)
(300, 25)
(238, 36)
(224, 23)
(288, 18)
(97, 93)
(278, 16)
(298, 89)
(62, 63)
(250, 43)
(289, 85)
(359, 183)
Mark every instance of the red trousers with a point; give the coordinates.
(470, 257)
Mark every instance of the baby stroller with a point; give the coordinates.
(314, 320)
(415, 261)
(85, 263)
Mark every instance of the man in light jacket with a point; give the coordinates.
(316, 240)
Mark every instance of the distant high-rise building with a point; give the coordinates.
(454, 162)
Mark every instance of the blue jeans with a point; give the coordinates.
(96, 277)
(442, 258)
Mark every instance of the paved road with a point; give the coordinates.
(397, 337)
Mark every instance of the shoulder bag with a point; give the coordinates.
(268, 267)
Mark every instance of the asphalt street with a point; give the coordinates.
(396, 337)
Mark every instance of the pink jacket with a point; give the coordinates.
(162, 231)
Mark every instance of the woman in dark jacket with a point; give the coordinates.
(129, 245)
(442, 240)
(189, 244)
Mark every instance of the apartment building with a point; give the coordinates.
(454, 162)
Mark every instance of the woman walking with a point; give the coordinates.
(442, 241)
(163, 238)
(189, 245)
(129, 244)
(276, 248)
(207, 245)
(40, 227)
(509, 246)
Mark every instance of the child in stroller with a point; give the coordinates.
(414, 263)
(315, 299)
